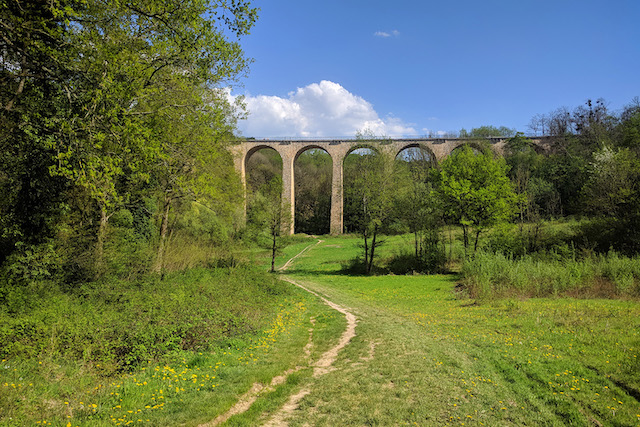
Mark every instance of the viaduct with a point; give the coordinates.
(289, 150)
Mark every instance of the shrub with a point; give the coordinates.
(118, 324)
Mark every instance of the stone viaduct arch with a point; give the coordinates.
(289, 151)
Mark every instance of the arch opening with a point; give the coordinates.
(415, 161)
(360, 150)
(359, 168)
(313, 174)
(475, 147)
(263, 168)
(262, 164)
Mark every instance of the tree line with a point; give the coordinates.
(113, 127)
(588, 168)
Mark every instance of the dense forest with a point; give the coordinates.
(113, 129)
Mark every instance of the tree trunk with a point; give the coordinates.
(164, 226)
(465, 236)
(450, 243)
(373, 249)
(274, 247)
(23, 79)
(475, 245)
(102, 235)
(366, 250)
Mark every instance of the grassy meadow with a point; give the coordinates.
(425, 352)
(193, 342)
(441, 358)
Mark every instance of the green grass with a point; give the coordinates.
(208, 336)
(490, 276)
(424, 354)
(442, 359)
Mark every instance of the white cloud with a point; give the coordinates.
(394, 33)
(321, 110)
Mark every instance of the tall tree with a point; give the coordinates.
(414, 204)
(193, 165)
(313, 192)
(34, 62)
(476, 191)
(368, 197)
(419, 211)
(268, 217)
(612, 196)
(125, 68)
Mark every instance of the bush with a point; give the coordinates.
(27, 275)
(507, 239)
(603, 234)
(118, 324)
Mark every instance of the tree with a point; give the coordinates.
(487, 132)
(33, 65)
(613, 183)
(418, 210)
(313, 192)
(262, 167)
(368, 198)
(193, 164)
(475, 191)
(269, 217)
(113, 74)
(612, 197)
(629, 128)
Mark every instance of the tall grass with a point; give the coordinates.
(490, 276)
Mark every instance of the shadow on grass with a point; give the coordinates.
(349, 270)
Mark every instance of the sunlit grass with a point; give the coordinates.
(424, 354)
(180, 387)
(442, 359)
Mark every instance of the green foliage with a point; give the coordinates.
(269, 218)
(487, 132)
(116, 102)
(118, 324)
(491, 276)
(28, 275)
(612, 196)
(368, 199)
(262, 167)
(33, 58)
(431, 260)
(612, 189)
(630, 126)
(538, 196)
(313, 172)
(475, 191)
(418, 210)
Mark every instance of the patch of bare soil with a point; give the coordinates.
(323, 365)
(243, 405)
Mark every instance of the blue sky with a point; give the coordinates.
(331, 68)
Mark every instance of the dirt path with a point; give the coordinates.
(322, 366)
(290, 261)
